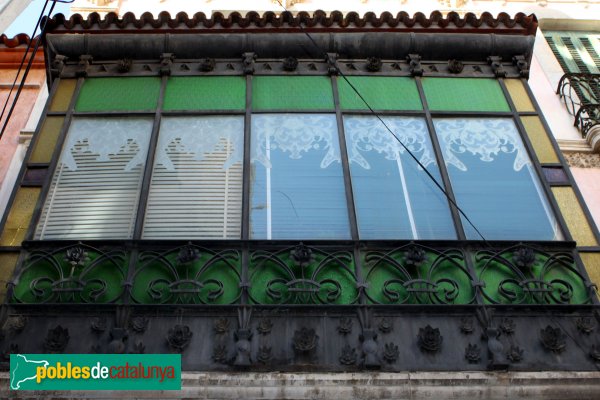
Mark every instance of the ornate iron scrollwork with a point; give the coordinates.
(417, 274)
(581, 94)
(72, 274)
(302, 275)
(188, 274)
(529, 276)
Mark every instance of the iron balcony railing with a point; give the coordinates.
(581, 94)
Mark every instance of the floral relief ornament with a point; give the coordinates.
(179, 337)
(430, 339)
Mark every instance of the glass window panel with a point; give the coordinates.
(394, 197)
(297, 189)
(45, 143)
(519, 95)
(292, 92)
(19, 217)
(464, 94)
(118, 94)
(539, 140)
(95, 188)
(196, 189)
(62, 96)
(8, 261)
(206, 93)
(494, 181)
(381, 92)
(574, 216)
(591, 261)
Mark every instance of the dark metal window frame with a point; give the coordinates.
(356, 243)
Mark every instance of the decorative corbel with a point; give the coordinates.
(332, 68)
(414, 64)
(207, 64)
(522, 66)
(455, 66)
(124, 65)
(58, 65)
(243, 336)
(496, 352)
(368, 338)
(84, 64)
(248, 62)
(496, 64)
(166, 61)
(374, 64)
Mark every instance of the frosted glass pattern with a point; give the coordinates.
(196, 188)
(393, 196)
(297, 189)
(494, 181)
(96, 185)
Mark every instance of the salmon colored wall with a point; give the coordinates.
(9, 62)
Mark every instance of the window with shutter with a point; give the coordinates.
(95, 189)
(196, 187)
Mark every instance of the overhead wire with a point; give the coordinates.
(29, 64)
(412, 155)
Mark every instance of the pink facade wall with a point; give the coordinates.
(588, 181)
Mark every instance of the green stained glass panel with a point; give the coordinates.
(292, 92)
(382, 93)
(206, 93)
(464, 94)
(119, 94)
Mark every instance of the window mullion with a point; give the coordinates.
(246, 165)
(148, 167)
(345, 162)
(460, 232)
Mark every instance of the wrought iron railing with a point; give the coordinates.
(581, 95)
(334, 273)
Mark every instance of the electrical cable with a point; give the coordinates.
(30, 62)
(450, 199)
(23, 60)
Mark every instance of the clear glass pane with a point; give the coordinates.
(95, 188)
(196, 188)
(297, 189)
(494, 181)
(394, 197)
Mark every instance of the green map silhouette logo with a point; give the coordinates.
(95, 372)
(23, 369)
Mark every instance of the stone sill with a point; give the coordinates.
(366, 385)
